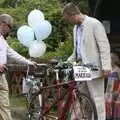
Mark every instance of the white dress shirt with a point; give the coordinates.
(6, 52)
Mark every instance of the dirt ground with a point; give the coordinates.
(18, 113)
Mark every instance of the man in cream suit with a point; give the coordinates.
(91, 46)
(6, 22)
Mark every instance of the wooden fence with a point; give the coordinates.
(16, 72)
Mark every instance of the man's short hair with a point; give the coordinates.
(6, 18)
(71, 9)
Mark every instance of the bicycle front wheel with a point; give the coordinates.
(82, 108)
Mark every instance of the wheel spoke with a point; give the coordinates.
(82, 108)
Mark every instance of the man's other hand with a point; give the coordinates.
(106, 73)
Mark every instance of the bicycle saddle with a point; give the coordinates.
(53, 61)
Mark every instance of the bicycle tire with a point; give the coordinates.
(82, 100)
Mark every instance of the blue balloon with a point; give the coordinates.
(25, 35)
(42, 30)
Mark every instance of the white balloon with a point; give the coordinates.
(35, 17)
(37, 49)
(25, 35)
(42, 30)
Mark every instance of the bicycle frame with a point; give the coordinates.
(63, 102)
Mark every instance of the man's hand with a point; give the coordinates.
(35, 64)
(2, 68)
(106, 73)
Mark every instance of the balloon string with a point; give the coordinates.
(35, 37)
(28, 68)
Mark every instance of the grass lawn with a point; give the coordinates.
(18, 107)
(17, 101)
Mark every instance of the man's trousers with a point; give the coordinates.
(4, 99)
(95, 89)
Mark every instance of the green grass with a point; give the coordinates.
(17, 101)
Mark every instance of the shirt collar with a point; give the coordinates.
(83, 23)
(1, 36)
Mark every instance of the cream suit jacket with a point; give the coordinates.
(94, 47)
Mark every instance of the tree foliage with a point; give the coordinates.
(59, 43)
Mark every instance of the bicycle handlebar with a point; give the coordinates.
(63, 65)
(66, 65)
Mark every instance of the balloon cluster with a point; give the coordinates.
(33, 34)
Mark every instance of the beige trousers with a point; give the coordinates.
(96, 91)
(4, 99)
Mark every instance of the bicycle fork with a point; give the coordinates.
(60, 104)
(58, 91)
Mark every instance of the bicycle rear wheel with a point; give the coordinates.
(82, 108)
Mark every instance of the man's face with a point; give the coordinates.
(4, 29)
(73, 19)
